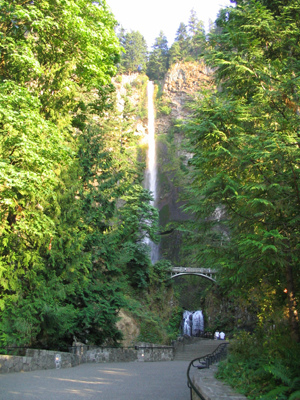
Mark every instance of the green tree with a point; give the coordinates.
(136, 53)
(32, 153)
(183, 39)
(51, 53)
(193, 23)
(190, 40)
(175, 53)
(159, 58)
(197, 35)
(244, 176)
(116, 217)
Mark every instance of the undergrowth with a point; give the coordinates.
(263, 368)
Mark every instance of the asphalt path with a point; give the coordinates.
(109, 381)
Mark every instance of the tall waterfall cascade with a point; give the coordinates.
(151, 172)
(151, 157)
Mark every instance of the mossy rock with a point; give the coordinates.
(164, 215)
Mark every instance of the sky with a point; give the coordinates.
(149, 17)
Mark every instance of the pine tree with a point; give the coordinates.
(190, 40)
(158, 58)
(183, 39)
(136, 53)
(175, 53)
(193, 23)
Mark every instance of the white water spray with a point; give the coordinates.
(151, 172)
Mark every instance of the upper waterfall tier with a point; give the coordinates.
(151, 161)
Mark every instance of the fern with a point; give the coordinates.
(280, 372)
(295, 395)
(290, 385)
(278, 393)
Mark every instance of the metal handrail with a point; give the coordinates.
(204, 362)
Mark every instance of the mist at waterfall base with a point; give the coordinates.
(192, 323)
(151, 171)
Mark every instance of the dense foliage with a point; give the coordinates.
(244, 175)
(263, 368)
(73, 211)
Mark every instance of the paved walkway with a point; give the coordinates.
(120, 381)
(211, 388)
(111, 381)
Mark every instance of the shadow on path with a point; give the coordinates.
(111, 381)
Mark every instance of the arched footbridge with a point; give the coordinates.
(207, 273)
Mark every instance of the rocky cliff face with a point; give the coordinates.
(129, 328)
(182, 83)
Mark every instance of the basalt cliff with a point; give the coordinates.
(181, 85)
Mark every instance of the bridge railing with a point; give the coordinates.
(204, 362)
(182, 270)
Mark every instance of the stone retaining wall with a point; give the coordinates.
(36, 360)
(44, 359)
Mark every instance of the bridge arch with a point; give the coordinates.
(207, 273)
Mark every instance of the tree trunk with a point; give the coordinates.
(292, 305)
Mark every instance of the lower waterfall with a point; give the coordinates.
(192, 323)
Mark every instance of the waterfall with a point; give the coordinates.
(151, 158)
(198, 323)
(151, 172)
(187, 323)
(192, 323)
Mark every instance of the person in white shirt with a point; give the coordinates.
(217, 335)
(222, 335)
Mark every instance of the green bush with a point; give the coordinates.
(165, 110)
(151, 332)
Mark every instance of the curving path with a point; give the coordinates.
(111, 381)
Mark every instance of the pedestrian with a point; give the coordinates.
(217, 335)
(222, 335)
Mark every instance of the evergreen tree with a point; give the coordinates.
(135, 56)
(158, 58)
(121, 34)
(197, 34)
(193, 23)
(175, 53)
(183, 39)
(190, 41)
(244, 175)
